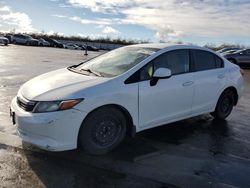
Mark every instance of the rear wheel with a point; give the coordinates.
(103, 130)
(224, 105)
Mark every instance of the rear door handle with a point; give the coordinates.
(189, 83)
(220, 76)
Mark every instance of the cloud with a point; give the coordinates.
(18, 20)
(175, 18)
(58, 15)
(100, 21)
(4, 9)
(51, 32)
(110, 30)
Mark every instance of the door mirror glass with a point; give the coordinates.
(162, 73)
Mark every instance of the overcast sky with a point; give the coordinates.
(195, 21)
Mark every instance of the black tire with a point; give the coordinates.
(103, 130)
(27, 43)
(14, 41)
(224, 105)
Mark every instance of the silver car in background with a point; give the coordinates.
(240, 57)
(4, 40)
(24, 39)
(43, 42)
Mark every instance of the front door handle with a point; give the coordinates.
(189, 83)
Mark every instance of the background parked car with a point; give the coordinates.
(4, 40)
(24, 39)
(229, 52)
(91, 48)
(54, 43)
(82, 46)
(223, 50)
(43, 42)
(72, 46)
(241, 57)
(9, 37)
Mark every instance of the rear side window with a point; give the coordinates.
(218, 61)
(206, 60)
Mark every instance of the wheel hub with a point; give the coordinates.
(106, 132)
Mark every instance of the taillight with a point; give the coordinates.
(242, 72)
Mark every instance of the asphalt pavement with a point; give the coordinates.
(197, 152)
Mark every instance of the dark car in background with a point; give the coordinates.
(241, 57)
(9, 37)
(91, 48)
(53, 42)
(43, 42)
(24, 39)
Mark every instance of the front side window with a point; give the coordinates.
(177, 61)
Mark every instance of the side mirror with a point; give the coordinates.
(160, 73)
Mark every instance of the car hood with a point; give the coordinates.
(58, 85)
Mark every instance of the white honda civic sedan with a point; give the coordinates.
(97, 103)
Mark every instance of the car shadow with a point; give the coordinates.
(63, 169)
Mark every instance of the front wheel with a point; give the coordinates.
(224, 105)
(103, 130)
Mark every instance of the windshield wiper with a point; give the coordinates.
(91, 71)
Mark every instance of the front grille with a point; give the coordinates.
(25, 104)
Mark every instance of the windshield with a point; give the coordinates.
(117, 61)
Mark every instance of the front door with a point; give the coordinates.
(171, 98)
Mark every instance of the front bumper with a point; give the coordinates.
(52, 131)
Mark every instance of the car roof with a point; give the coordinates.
(161, 46)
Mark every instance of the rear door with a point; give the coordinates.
(210, 79)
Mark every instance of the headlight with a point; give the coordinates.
(51, 106)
